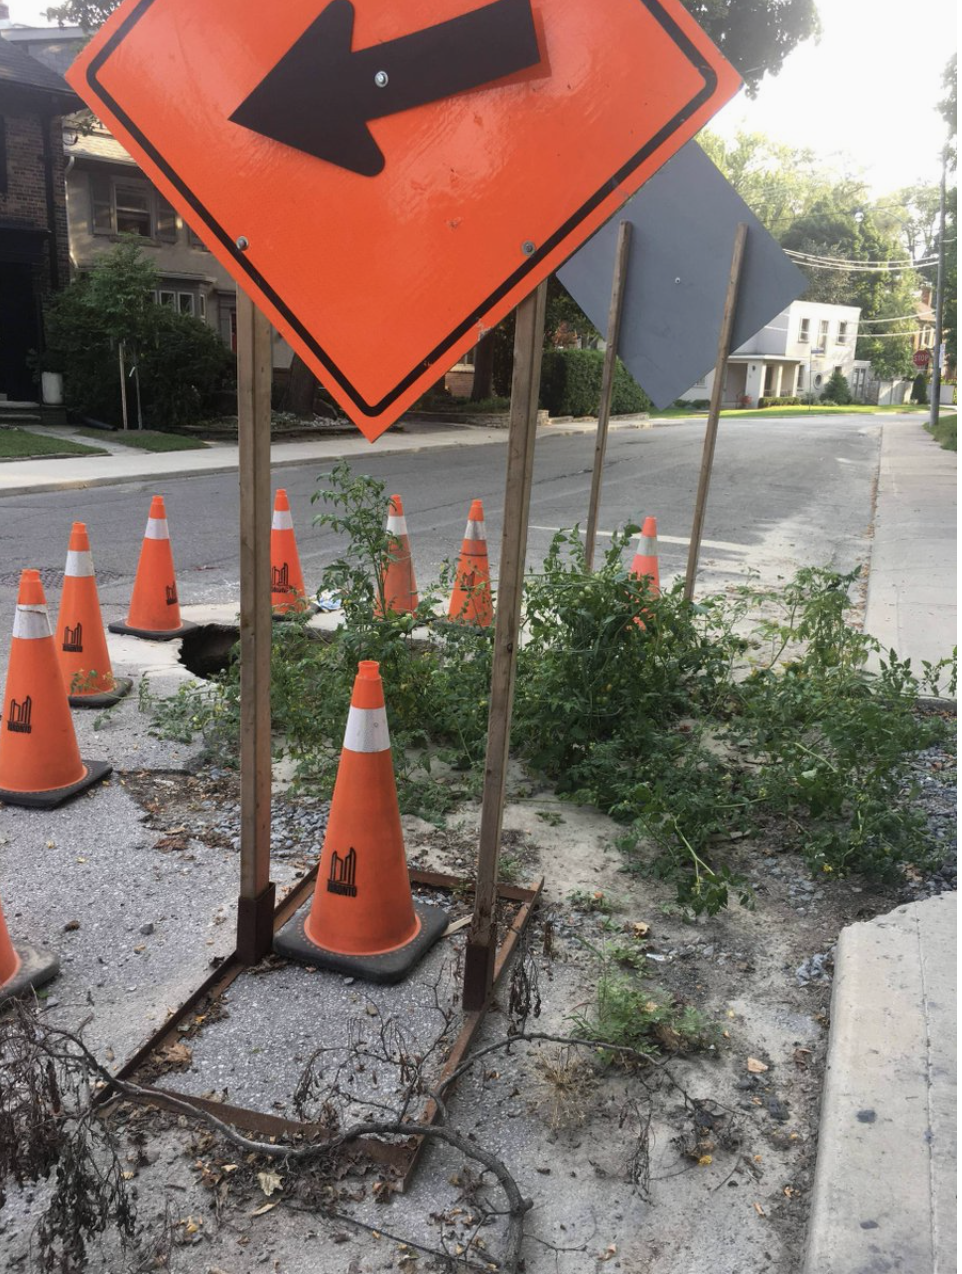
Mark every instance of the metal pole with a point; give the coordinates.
(607, 386)
(255, 905)
(482, 936)
(939, 301)
(123, 381)
(714, 410)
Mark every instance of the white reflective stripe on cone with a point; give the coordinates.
(397, 525)
(80, 563)
(156, 529)
(367, 730)
(31, 622)
(648, 546)
(474, 531)
(282, 520)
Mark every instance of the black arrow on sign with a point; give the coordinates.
(320, 95)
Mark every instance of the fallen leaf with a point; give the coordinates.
(756, 1067)
(177, 1055)
(269, 1182)
(759, 1209)
(704, 1161)
(265, 1207)
(640, 929)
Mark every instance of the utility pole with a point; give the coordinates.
(939, 296)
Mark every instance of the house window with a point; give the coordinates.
(132, 211)
(823, 334)
(842, 333)
(803, 332)
(195, 241)
(121, 205)
(202, 306)
(182, 302)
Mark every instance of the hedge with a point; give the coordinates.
(779, 402)
(571, 384)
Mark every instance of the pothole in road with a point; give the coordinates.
(209, 648)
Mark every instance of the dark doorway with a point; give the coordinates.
(19, 330)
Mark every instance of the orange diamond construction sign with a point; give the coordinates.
(387, 181)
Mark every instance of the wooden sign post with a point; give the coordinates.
(607, 386)
(255, 906)
(522, 426)
(714, 410)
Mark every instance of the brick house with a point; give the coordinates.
(34, 253)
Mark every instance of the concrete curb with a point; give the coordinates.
(884, 1192)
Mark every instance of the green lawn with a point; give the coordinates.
(21, 444)
(945, 431)
(817, 409)
(148, 439)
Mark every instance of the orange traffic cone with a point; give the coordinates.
(646, 556)
(154, 608)
(22, 967)
(81, 641)
(363, 920)
(471, 598)
(288, 594)
(400, 588)
(40, 762)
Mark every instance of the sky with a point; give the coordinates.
(863, 98)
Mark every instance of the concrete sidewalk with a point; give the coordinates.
(912, 590)
(884, 1192)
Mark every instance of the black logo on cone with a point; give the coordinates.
(341, 879)
(19, 722)
(280, 579)
(171, 591)
(73, 638)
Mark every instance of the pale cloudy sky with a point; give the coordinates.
(863, 98)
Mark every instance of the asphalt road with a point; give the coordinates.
(784, 494)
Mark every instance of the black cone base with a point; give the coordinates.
(121, 626)
(36, 969)
(105, 698)
(95, 771)
(292, 943)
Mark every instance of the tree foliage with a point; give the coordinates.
(180, 361)
(756, 35)
(812, 210)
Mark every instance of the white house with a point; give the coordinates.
(793, 355)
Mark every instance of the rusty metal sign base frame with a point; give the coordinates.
(401, 1158)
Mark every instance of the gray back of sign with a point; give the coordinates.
(684, 222)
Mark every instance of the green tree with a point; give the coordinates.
(181, 361)
(756, 35)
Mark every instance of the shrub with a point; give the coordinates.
(920, 390)
(181, 362)
(837, 390)
(780, 402)
(571, 384)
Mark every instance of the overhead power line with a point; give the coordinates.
(893, 262)
(813, 263)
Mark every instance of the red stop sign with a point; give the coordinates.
(921, 358)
